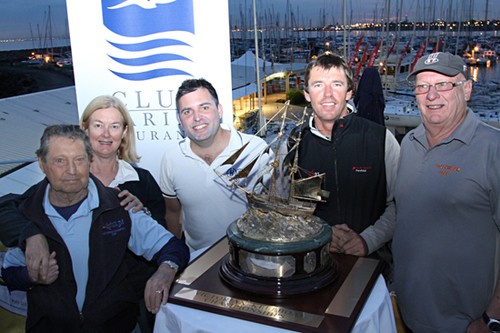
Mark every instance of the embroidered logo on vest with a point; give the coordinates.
(113, 227)
(361, 169)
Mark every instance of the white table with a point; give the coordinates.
(376, 316)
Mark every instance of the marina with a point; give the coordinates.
(391, 41)
(394, 62)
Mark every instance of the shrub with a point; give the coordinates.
(296, 97)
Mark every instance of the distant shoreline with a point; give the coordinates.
(29, 44)
(14, 56)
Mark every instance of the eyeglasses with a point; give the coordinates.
(424, 88)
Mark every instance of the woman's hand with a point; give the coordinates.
(130, 201)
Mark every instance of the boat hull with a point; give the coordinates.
(283, 206)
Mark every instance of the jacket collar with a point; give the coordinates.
(344, 121)
(464, 132)
(103, 198)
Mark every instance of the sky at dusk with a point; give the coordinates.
(26, 18)
(311, 11)
(16, 17)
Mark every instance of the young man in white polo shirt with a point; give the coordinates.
(190, 169)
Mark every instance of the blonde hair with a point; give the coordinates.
(127, 150)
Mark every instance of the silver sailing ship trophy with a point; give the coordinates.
(278, 247)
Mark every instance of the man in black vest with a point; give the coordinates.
(358, 156)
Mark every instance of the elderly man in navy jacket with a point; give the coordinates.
(88, 233)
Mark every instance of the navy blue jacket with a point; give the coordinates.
(110, 304)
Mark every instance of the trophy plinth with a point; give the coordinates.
(278, 255)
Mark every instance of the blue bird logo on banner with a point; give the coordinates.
(145, 42)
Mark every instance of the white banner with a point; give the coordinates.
(141, 51)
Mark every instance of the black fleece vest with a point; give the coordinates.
(354, 163)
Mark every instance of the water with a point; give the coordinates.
(485, 97)
(25, 44)
(485, 74)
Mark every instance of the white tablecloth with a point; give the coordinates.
(376, 316)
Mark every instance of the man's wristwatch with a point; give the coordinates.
(492, 323)
(172, 265)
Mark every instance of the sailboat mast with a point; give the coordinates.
(388, 23)
(417, 17)
(486, 20)
(344, 20)
(32, 37)
(459, 26)
(257, 68)
(399, 18)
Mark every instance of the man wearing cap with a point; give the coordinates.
(446, 244)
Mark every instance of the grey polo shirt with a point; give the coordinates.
(446, 242)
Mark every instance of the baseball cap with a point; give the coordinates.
(440, 62)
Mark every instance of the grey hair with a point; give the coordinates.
(73, 132)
